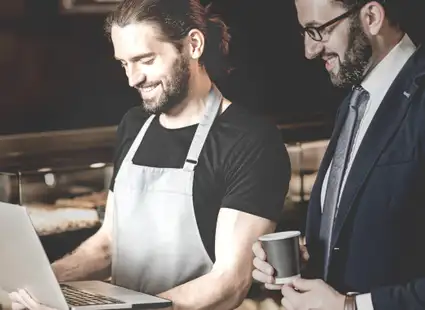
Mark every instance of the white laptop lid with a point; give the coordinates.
(23, 261)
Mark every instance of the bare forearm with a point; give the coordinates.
(211, 291)
(227, 284)
(91, 260)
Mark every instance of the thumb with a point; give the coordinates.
(304, 285)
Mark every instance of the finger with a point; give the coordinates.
(17, 306)
(304, 253)
(305, 285)
(32, 304)
(263, 266)
(290, 294)
(261, 277)
(258, 250)
(17, 298)
(286, 304)
(273, 287)
(13, 296)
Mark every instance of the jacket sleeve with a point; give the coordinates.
(400, 297)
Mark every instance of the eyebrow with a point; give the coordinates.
(138, 57)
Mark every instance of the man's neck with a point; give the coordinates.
(191, 110)
(381, 47)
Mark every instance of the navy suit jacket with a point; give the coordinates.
(378, 235)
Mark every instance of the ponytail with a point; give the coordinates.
(216, 46)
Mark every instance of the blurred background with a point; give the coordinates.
(57, 69)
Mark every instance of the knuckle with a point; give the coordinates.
(258, 276)
(256, 263)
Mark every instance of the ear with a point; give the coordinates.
(373, 17)
(196, 42)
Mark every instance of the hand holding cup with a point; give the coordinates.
(278, 257)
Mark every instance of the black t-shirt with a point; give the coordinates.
(243, 165)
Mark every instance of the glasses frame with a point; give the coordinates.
(319, 29)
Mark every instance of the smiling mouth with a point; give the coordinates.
(147, 89)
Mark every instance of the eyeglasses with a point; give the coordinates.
(318, 33)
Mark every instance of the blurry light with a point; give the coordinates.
(97, 165)
(49, 179)
(44, 170)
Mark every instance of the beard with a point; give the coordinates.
(175, 88)
(356, 58)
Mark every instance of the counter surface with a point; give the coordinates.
(49, 220)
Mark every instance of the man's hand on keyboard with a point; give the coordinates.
(22, 300)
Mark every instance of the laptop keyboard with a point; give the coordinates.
(76, 297)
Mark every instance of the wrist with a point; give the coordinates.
(57, 269)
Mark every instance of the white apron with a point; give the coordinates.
(156, 242)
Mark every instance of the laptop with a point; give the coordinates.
(25, 265)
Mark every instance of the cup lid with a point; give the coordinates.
(280, 235)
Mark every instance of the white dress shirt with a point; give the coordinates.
(377, 83)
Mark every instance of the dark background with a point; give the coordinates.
(57, 71)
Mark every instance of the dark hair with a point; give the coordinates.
(393, 9)
(175, 19)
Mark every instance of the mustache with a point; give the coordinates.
(326, 56)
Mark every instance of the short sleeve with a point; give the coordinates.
(257, 174)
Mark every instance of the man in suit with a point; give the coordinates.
(366, 208)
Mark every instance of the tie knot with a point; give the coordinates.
(359, 97)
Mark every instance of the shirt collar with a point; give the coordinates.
(381, 77)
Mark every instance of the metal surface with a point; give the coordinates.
(57, 149)
(56, 175)
(59, 200)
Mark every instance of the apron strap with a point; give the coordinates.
(138, 140)
(214, 100)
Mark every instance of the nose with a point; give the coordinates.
(135, 75)
(312, 48)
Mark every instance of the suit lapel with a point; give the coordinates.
(315, 206)
(382, 128)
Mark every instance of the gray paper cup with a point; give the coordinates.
(283, 253)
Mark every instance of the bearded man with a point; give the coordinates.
(197, 178)
(366, 207)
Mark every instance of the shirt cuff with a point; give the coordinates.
(364, 302)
